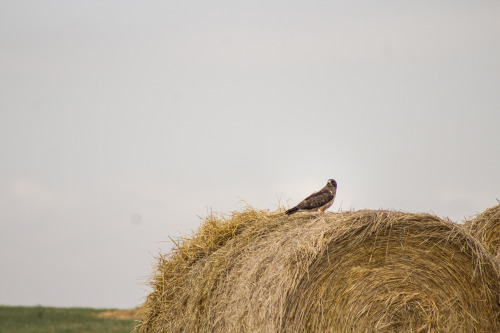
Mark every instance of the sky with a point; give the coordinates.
(124, 123)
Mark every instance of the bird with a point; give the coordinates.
(319, 201)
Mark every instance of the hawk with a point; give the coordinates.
(320, 200)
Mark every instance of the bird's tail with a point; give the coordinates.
(291, 211)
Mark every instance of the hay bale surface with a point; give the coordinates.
(362, 271)
(486, 228)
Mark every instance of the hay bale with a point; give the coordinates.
(360, 271)
(486, 228)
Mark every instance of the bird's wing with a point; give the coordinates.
(316, 200)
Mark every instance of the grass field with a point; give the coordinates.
(59, 320)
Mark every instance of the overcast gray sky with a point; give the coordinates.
(122, 121)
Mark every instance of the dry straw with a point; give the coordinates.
(362, 271)
(486, 228)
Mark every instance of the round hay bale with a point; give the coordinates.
(486, 228)
(363, 271)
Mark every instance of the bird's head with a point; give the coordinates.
(331, 182)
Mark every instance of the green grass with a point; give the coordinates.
(59, 320)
